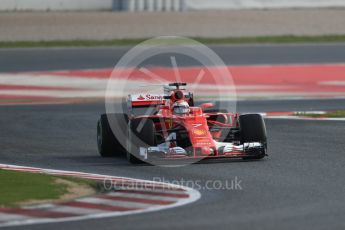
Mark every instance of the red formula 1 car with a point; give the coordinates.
(175, 129)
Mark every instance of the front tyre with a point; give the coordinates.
(108, 145)
(253, 129)
(141, 134)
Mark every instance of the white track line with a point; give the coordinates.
(296, 115)
(9, 217)
(304, 118)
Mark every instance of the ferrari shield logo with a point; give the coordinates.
(169, 123)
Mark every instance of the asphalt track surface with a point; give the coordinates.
(38, 59)
(299, 186)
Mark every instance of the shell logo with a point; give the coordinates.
(199, 132)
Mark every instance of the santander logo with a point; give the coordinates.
(149, 97)
(154, 97)
(141, 98)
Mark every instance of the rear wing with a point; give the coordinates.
(145, 100)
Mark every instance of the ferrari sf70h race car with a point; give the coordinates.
(177, 129)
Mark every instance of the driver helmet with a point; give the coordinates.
(181, 107)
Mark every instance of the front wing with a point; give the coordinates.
(224, 150)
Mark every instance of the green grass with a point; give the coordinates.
(90, 183)
(229, 40)
(333, 114)
(18, 187)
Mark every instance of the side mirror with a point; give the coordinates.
(206, 106)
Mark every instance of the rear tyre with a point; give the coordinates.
(108, 145)
(141, 134)
(253, 129)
